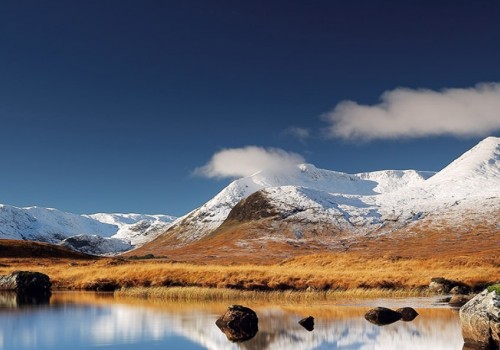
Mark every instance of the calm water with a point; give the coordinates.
(92, 321)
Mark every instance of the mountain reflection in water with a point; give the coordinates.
(87, 321)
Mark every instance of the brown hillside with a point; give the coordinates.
(268, 241)
(28, 249)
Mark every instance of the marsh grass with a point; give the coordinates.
(321, 272)
(198, 294)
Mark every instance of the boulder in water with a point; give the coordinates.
(382, 316)
(407, 313)
(307, 323)
(238, 323)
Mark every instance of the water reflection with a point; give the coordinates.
(89, 321)
(10, 299)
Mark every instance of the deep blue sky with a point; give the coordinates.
(110, 105)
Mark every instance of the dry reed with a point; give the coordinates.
(197, 294)
(322, 272)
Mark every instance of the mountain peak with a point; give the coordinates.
(481, 161)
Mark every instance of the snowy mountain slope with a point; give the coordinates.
(474, 174)
(47, 224)
(467, 188)
(482, 162)
(136, 229)
(114, 232)
(364, 202)
(305, 201)
(212, 214)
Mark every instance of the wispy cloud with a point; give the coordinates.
(238, 162)
(301, 134)
(406, 112)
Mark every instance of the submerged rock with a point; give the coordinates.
(459, 300)
(26, 282)
(407, 313)
(480, 319)
(238, 323)
(307, 323)
(382, 316)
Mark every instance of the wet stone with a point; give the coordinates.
(382, 316)
(407, 313)
(238, 323)
(307, 323)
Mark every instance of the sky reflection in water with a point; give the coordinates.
(73, 322)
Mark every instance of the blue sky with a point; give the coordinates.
(110, 106)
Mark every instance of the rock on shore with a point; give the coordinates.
(480, 319)
(26, 282)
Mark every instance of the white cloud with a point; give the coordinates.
(302, 134)
(406, 112)
(238, 162)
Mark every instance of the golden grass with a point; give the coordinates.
(322, 272)
(199, 294)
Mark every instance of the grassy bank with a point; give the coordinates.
(322, 272)
(199, 294)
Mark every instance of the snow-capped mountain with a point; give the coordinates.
(309, 199)
(304, 204)
(94, 234)
(136, 229)
(305, 186)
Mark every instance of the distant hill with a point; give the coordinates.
(10, 248)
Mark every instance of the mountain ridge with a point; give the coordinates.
(317, 206)
(304, 207)
(102, 234)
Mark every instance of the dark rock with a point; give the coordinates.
(382, 316)
(460, 290)
(476, 347)
(307, 323)
(102, 286)
(480, 319)
(444, 286)
(26, 282)
(407, 313)
(459, 300)
(254, 207)
(238, 323)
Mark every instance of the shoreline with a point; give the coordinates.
(200, 294)
(323, 273)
